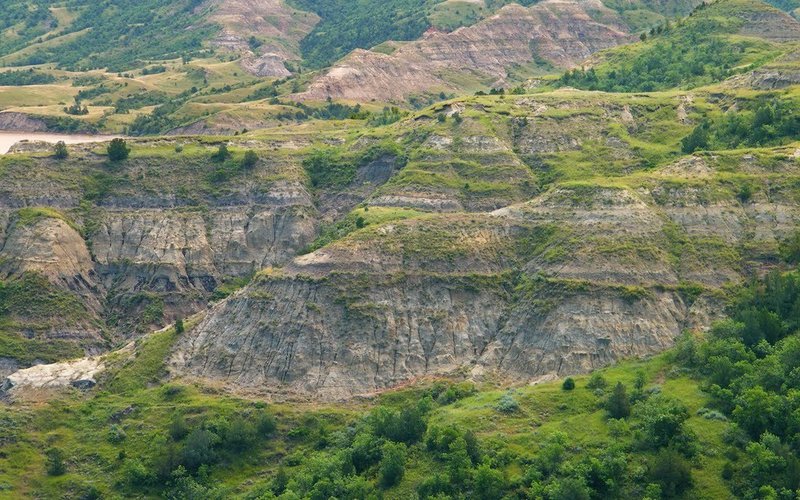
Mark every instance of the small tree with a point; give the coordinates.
(222, 153)
(392, 466)
(250, 159)
(55, 462)
(118, 150)
(618, 404)
(671, 471)
(179, 328)
(698, 139)
(60, 151)
(596, 381)
(569, 384)
(640, 381)
(489, 483)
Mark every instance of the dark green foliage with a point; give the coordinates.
(347, 25)
(76, 109)
(158, 121)
(790, 248)
(750, 362)
(757, 123)
(238, 435)
(596, 381)
(55, 462)
(569, 488)
(392, 465)
(178, 428)
(697, 140)
(25, 77)
(327, 168)
(671, 471)
(265, 424)
(661, 420)
(199, 449)
(387, 116)
(618, 404)
(489, 483)
(60, 151)
(118, 150)
(122, 35)
(179, 328)
(331, 111)
(569, 384)
(221, 154)
(692, 53)
(140, 100)
(404, 426)
(249, 160)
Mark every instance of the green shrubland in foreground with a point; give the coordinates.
(717, 416)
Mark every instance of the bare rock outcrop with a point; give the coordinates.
(278, 27)
(561, 32)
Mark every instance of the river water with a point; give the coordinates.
(9, 138)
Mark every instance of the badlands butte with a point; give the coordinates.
(524, 235)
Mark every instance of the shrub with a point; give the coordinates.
(116, 434)
(618, 405)
(569, 384)
(596, 381)
(199, 449)
(250, 159)
(221, 154)
(55, 462)
(118, 150)
(179, 328)
(265, 424)
(60, 150)
(406, 425)
(239, 435)
(671, 471)
(661, 420)
(507, 403)
(178, 428)
(489, 483)
(392, 466)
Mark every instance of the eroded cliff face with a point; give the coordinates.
(126, 244)
(577, 278)
(562, 33)
(278, 27)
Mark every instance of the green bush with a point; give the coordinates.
(118, 150)
(618, 404)
(671, 471)
(60, 150)
(249, 160)
(569, 384)
(596, 381)
(507, 403)
(392, 465)
(54, 462)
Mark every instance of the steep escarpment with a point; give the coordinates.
(558, 33)
(135, 245)
(526, 237)
(579, 277)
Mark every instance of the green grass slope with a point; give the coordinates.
(714, 418)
